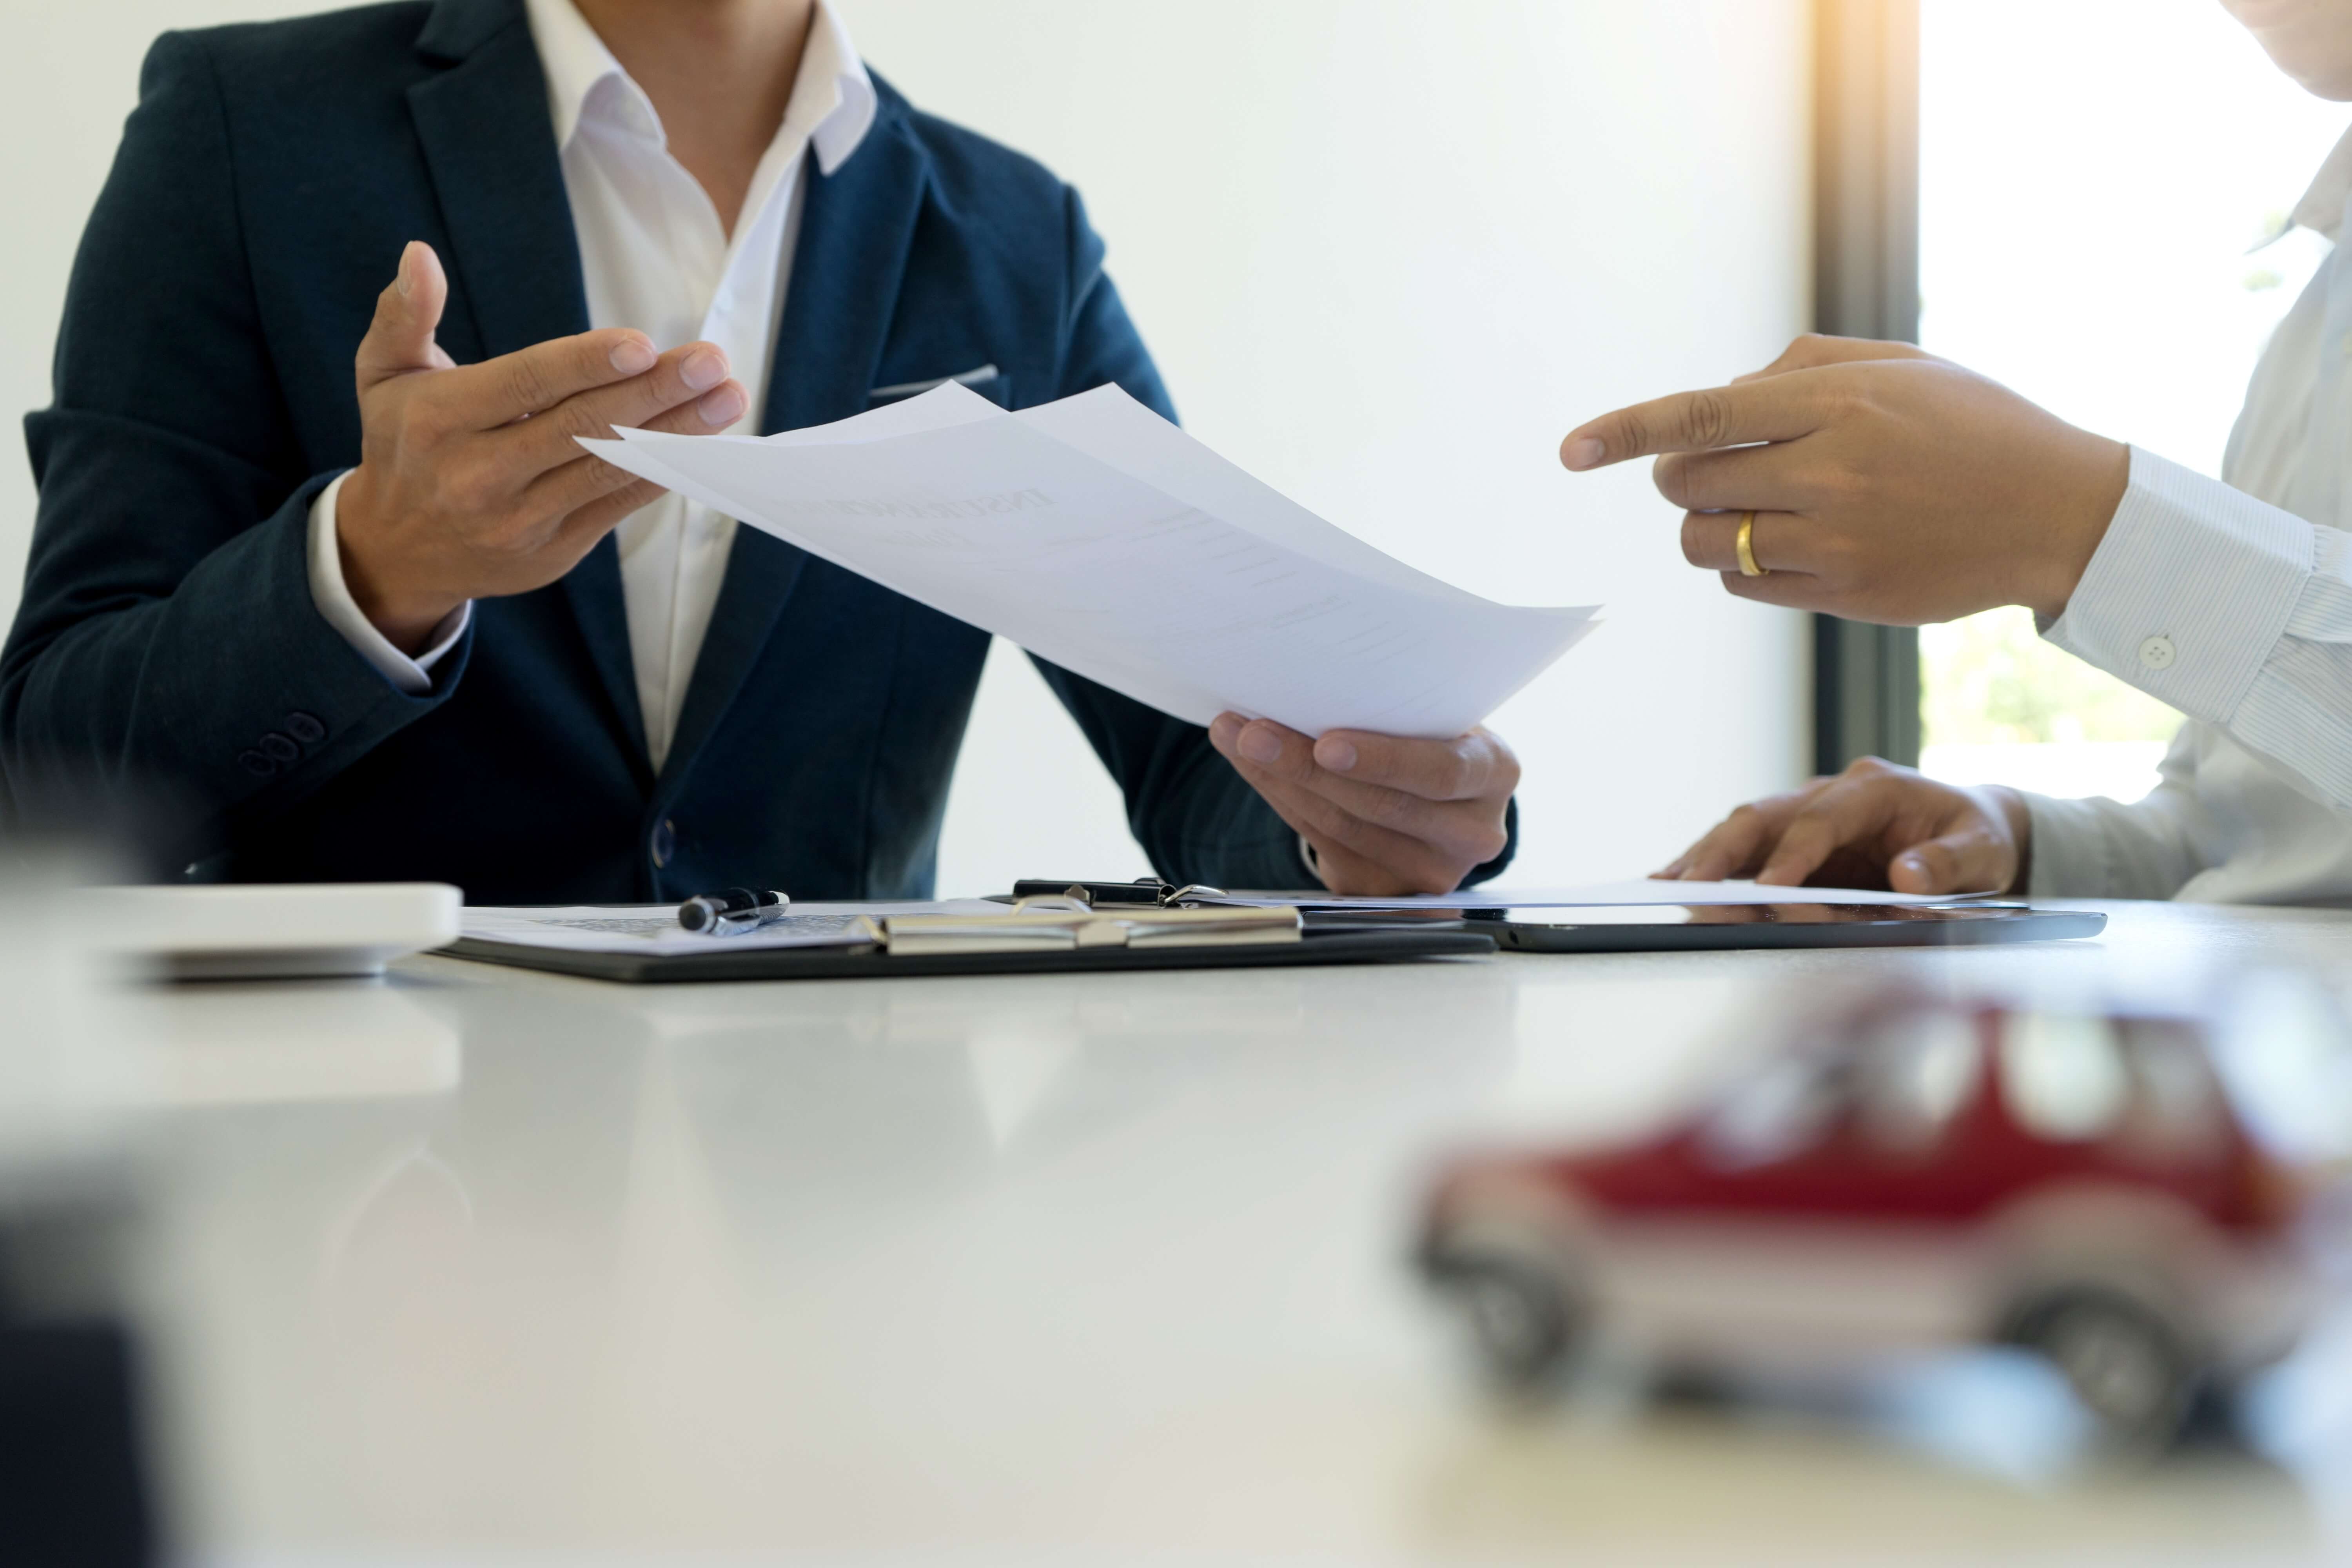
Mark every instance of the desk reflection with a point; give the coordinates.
(254, 1044)
(809, 1269)
(681, 1262)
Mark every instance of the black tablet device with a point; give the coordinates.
(1671, 928)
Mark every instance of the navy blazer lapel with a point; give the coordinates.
(489, 144)
(856, 228)
(514, 261)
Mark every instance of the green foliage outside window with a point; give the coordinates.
(1990, 680)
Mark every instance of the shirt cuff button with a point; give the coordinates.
(2156, 653)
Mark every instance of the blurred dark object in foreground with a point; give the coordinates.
(117, 831)
(74, 1489)
(72, 1483)
(73, 1473)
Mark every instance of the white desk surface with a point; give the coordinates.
(477, 1265)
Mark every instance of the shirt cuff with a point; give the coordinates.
(2068, 850)
(333, 598)
(2190, 590)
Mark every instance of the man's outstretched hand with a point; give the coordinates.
(1386, 816)
(470, 483)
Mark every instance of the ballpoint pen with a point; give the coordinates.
(732, 912)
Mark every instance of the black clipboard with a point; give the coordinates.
(869, 962)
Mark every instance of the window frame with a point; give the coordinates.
(1866, 691)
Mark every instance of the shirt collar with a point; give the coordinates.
(2322, 207)
(833, 102)
(832, 98)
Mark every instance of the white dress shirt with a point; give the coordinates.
(654, 256)
(2231, 600)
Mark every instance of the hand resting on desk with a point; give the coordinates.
(1874, 826)
(469, 484)
(1386, 816)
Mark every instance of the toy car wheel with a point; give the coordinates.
(1520, 1317)
(2122, 1360)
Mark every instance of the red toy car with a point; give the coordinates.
(2087, 1183)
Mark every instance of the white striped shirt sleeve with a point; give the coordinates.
(2235, 611)
(2099, 849)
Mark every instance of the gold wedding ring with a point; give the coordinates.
(1744, 543)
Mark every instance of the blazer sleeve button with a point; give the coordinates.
(256, 765)
(305, 728)
(277, 748)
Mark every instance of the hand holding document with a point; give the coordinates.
(1097, 535)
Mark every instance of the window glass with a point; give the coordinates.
(2096, 181)
(1921, 1066)
(2062, 1074)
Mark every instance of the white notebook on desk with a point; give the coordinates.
(265, 932)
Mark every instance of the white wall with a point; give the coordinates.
(1386, 252)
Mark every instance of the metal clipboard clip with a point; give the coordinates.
(1144, 892)
(1061, 922)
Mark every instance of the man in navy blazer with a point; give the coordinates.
(171, 636)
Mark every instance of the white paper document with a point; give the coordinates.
(653, 929)
(1096, 534)
(1596, 895)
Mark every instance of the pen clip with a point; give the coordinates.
(730, 911)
